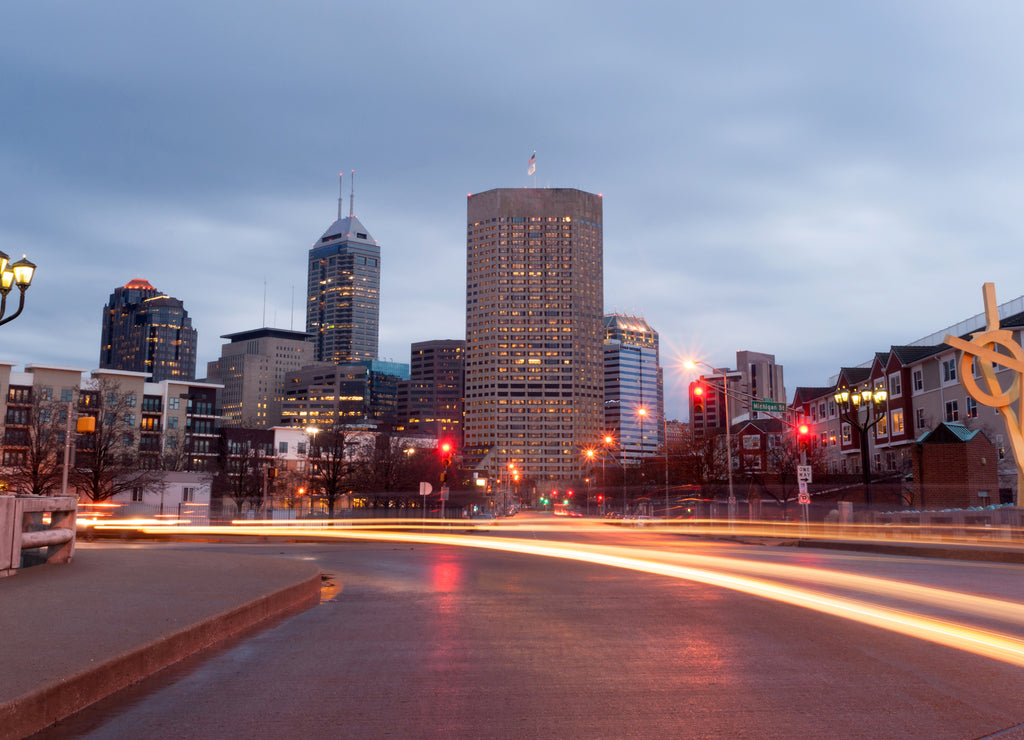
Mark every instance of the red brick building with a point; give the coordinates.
(955, 467)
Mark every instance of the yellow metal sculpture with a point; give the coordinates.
(983, 348)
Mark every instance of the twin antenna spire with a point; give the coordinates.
(351, 197)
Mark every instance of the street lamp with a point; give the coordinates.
(589, 452)
(850, 403)
(642, 414)
(310, 457)
(20, 273)
(728, 422)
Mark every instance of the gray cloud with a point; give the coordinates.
(811, 180)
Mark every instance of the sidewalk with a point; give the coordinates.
(73, 634)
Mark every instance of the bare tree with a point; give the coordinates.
(395, 466)
(107, 460)
(334, 462)
(242, 469)
(35, 459)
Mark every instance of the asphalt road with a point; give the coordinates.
(434, 641)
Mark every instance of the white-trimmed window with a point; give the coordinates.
(919, 419)
(751, 442)
(188, 494)
(897, 421)
(952, 411)
(882, 427)
(949, 370)
(971, 408)
(895, 387)
(847, 433)
(918, 379)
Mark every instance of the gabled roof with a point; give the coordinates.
(804, 394)
(1014, 321)
(854, 375)
(762, 425)
(908, 355)
(949, 433)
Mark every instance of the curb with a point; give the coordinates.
(43, 707)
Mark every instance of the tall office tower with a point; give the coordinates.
(343, 293)
(252, 368)
(146, 331)
(534, 291)
(634, 399)
(762, 380)
(431, 400)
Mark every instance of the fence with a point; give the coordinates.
(34, 523)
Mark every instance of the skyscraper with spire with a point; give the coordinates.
(343, 292)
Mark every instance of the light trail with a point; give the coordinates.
(709, 570)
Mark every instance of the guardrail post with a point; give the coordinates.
(18, 520)
(7, 523)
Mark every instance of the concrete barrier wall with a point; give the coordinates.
(23, 527)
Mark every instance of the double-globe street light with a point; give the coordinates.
(19, 273)
(851, 403)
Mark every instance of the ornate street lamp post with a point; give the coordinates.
(19, 273)
(872, 403)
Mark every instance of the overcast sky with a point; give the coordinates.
(814, 180)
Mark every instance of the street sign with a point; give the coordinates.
(425, 488)
(803, 498)
(732, 499)
(803, 473)
(444, 493)
(774, 406)
(802, 487)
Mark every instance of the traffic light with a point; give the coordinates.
(803, 436)
(446, 449)
(697, 402)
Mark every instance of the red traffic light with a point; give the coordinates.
(803, 430)
(446, 447)
(697, 400)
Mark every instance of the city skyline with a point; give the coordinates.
(799, 181)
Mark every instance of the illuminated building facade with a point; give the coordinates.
(252, 368)
(431, 400)
(146, 331)
(343, 293)
(534, 305)
(326, 396)
(633, 383)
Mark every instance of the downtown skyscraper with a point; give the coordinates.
(343, 292)
(534, 305)
(146, 331)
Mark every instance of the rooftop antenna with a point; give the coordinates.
(341, 192)
(352, 197)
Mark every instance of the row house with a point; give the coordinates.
(923, 389)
